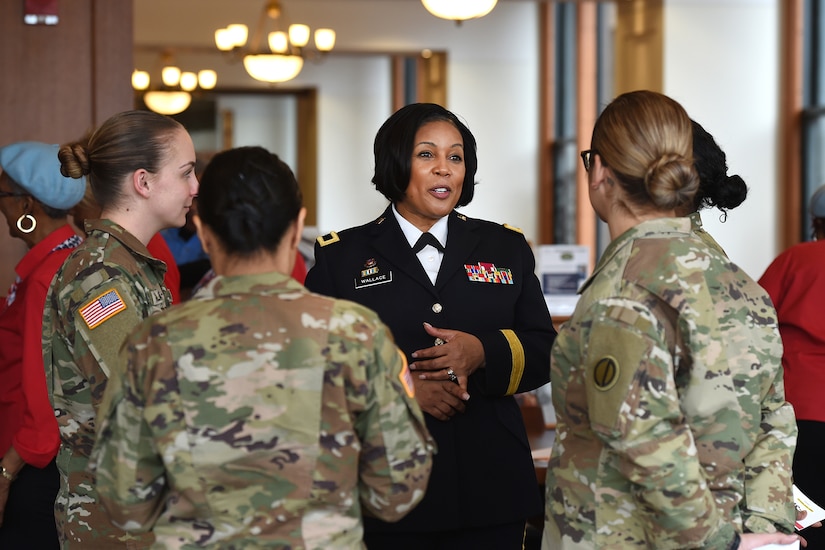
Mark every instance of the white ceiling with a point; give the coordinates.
(368, 23)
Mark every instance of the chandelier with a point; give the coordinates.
(459, 10)
(175, 95)
(285, 57)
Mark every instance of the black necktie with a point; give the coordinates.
(424, 240)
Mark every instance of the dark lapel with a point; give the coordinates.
(389, 242)
(462, 240)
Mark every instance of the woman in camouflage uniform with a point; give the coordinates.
(140, 166)
(258, 414)
(673, 430)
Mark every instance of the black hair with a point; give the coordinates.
(248, 197)
(716, 188)
(394, 144)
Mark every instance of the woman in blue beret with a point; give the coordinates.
(34, 198)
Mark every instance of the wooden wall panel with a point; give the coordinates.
(59, 80)
(639, 45)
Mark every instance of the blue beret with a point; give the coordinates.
(818, 203)
(34, 166)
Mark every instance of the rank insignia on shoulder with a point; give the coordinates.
(462, 217)
(380, 220)
(104, 307)
(329, 238)
(511, 228)
(606, 373)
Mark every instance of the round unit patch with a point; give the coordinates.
(606, 373)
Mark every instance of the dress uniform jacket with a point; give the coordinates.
(483, 472)
(103, 290)
(673, 430)
(258, 414)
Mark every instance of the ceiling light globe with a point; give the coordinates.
(459, 10)
(324, 39)
(207, 79)
(140, 80)
(299, 34)
(188, 81)
(170, 75)
(278, 42)
(273, 67)
(223, 40)
(239, 33)
(167, 103)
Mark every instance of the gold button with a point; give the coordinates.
(437, 308)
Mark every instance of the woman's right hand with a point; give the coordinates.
(440, 398)
(750, 541)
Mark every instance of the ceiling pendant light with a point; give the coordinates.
(284, 59)
(174, 95)
(459, 10)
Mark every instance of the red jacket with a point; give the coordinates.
(26, 417)
(796, 283)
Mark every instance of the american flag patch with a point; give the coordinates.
(102, 308)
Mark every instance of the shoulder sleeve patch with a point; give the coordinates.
(102, 308)
(329, 238)
(614, 355)
(511, 228)
(405, 376)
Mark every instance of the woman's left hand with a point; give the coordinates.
(461, 354)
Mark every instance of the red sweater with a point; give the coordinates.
(26, 417)
(796, 283)
(158, 248)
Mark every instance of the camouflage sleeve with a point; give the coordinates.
(103, 318)
(768, 503)
(130, 476)
(396, 455)
(634, 409)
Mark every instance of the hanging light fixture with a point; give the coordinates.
(167, 103)
(285, 57)
(459, 10)
(174, 96)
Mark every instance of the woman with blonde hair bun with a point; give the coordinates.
(673, 430)
(141, 168)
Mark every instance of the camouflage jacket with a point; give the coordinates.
(673, 430)
(102, 291)
(260, 415)
(699, 230)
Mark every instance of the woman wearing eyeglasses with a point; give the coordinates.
(673, 430)
(34, 199)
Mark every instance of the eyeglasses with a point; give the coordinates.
(587, 158)
(4, 194)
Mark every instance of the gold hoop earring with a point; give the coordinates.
(20, 223)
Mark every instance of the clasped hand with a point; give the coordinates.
(460, 355)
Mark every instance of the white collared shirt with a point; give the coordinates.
(429, 256)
